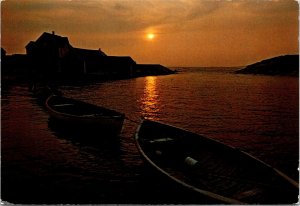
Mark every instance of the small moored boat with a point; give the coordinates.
(211, 168)
(81, 115)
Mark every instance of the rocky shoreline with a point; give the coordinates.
(287, 65)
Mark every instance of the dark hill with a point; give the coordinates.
(287, 65)
(152, 70)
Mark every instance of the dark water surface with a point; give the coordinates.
(42, 164)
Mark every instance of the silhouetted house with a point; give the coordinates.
(52, 54)
(48, 52)
(3, 53)
(123, 66)
(3, 61)
(16, 64)
(90, 60)
(98, 63)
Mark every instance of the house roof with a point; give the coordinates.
(53, 38)
(85, 53)
(30, 44)
(61, 41)
(121, 59)
(3, 52)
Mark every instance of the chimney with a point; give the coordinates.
(53, 32)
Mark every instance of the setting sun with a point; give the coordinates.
(150, 36)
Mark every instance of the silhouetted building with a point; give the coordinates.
(52, 54)
(3, 53)
(90, 60)
(118, 65)
(14, 64)
(48, 52)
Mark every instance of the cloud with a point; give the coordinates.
(198, 9)
(102, 15)
(134, 14)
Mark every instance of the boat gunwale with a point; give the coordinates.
(205, 192)
(82, 117)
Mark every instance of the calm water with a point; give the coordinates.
(41, 164)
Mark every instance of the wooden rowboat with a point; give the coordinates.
(87, 117)
(211, 168)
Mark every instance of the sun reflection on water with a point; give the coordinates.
(150, 98)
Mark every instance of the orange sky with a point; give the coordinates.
(184, 32)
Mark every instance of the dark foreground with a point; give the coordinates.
(43, 163)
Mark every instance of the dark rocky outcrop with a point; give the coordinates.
(152, 69)
(287, 65)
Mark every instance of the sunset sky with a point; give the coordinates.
(167, 32)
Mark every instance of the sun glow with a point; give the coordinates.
(150, 36)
